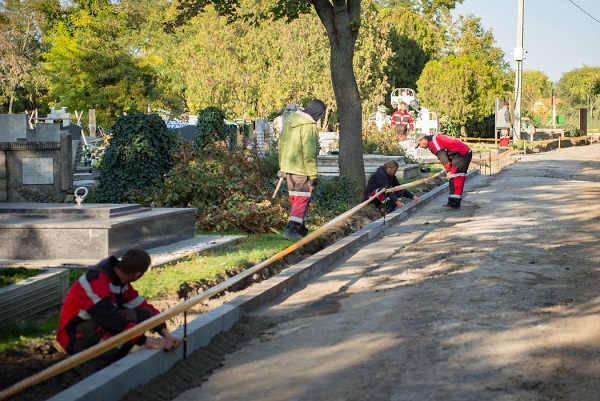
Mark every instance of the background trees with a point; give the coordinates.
(414, 41)
(95, 62)
(579, 87)
(22, 23)
(342, 21)
(111, 55)
(469, 38)
(536, 85)
(461, 88)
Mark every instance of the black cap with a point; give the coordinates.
(316, 109)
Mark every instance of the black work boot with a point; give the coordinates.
(303, 231)
(292, 231)
(452, 204)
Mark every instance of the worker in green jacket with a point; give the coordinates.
(298, 150)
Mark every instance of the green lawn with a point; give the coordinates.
(10, 275)
(22, 333)
(592, 124)
(209, 266)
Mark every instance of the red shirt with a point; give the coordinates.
(401, 117)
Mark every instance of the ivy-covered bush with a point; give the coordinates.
(211, 127)
(227, 188)
(138, 155)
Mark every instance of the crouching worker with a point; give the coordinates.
(101, 304)
(385, 177)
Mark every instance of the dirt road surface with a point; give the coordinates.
(498, 301)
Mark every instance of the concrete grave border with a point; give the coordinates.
(33, 295)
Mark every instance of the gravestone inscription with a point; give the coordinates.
(38, 170)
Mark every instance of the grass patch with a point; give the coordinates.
(160, 282)
(19, 334)
(434, 168)
(11, 275)
(208, 266)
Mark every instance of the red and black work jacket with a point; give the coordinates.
(446, 149)
(401, 117)
(98, 295)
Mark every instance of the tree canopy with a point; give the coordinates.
(536, 85)
(188, 55)
(461, 88)
(92, 63)
(579, 87)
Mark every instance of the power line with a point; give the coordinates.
(591, 16)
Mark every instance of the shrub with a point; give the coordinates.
(331, 198)
(449, 127)
(575, 131)
(137, 157)
(211, 127)
(226, 186)
(385, 141)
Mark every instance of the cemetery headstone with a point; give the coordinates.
(35, 164)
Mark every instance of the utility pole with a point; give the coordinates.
(519, 56)
(553, 109)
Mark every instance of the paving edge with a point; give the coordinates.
(146, 364)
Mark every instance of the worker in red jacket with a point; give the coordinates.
(402, 117)
(455, 156)
(102, 303)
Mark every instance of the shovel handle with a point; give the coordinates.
(277, 188)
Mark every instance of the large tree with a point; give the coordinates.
(21, 26)
(579, 87)
(461, 88)
(342, 20)
(536, 85)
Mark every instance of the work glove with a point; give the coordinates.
(281, 174)
(313, 182)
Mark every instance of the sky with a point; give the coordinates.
(557, 35)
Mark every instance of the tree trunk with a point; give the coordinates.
(338, 20)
